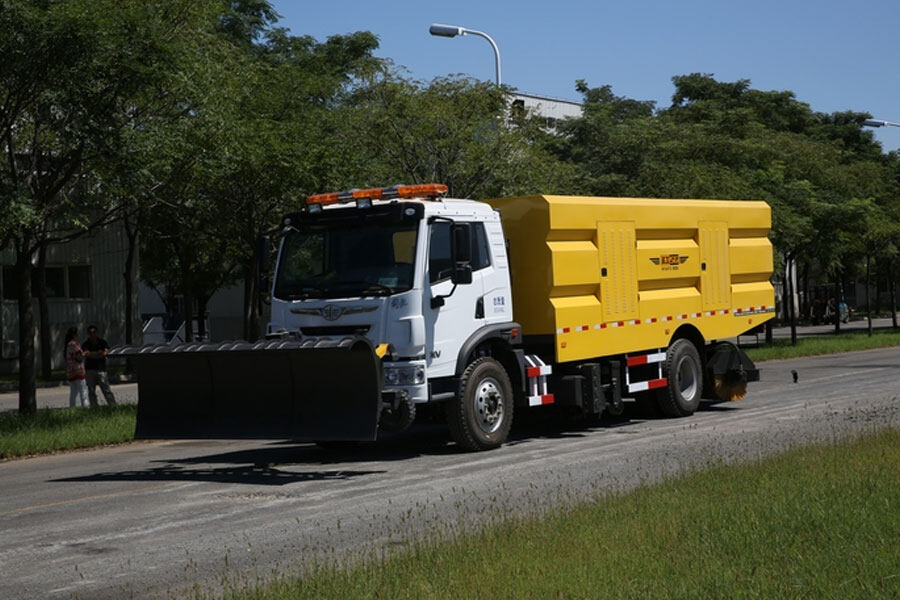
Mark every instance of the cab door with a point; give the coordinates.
(452, 315)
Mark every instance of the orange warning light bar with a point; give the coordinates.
(430, 191)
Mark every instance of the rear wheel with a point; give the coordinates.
(480, 416)
(681, 396)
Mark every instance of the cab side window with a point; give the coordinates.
(440, 263)
(481, 253)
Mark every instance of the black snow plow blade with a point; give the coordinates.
(309, 390)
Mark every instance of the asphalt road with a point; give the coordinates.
(58, 396)
(152, 519)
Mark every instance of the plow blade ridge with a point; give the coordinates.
(310, 390)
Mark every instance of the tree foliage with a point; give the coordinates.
(826, 178)
(198, 124)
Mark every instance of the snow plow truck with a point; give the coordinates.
(386, 300)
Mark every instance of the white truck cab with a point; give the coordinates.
(388, 270)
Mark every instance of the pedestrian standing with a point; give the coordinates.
(95, 351)
(75, 373)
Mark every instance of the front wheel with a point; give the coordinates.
(480, 416)
(681, 396)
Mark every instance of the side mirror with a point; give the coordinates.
(462, 274)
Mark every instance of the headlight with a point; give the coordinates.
(411, 375)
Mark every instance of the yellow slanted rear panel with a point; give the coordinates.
(607, 276)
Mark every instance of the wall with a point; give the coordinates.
(85, 276)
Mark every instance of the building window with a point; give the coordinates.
(517, 110)
(79, 281)
(10, 285)
(72, 281)
(55, 282)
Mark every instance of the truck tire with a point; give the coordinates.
(681, 396)
(480, 415)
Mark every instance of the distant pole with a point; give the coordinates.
(454, 30)
(792, 310)
(868, 298)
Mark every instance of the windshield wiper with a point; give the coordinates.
(379, 289)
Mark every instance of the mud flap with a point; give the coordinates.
(309, 390)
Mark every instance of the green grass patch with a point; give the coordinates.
(54, 429)
(815, 523)
(826, 344)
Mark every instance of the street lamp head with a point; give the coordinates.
(879, 123)
(455, 30)
(445, 30)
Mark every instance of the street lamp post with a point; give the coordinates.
(454, 30)
(876, 123)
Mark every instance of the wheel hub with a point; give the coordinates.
(489, 406)
(686, 379)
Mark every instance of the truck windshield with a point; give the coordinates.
(347, 259)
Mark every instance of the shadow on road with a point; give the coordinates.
(280, 463)
(251, 475)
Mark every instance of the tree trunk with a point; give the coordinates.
(132, 235)
(40, 282)
(249, 307)
(789, 269)
(202, 301)
(877, 291)
(868, 293)
(838, 298)
(251, 301)
(805, 297)
(188, 316)
(893, 285)
(27, 392)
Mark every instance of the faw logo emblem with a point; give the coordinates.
(669, 260)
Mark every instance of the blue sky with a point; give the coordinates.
(833, 55)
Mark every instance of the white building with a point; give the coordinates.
(553, 109)
(84, 286)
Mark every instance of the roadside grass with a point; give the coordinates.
(826, 344)
(817, 522)
(54, 429)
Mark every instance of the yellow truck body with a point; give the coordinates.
(608, 276)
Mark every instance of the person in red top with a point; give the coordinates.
(75, 370)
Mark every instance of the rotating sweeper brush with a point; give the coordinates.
(730, 370)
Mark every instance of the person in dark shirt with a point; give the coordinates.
(95, 350)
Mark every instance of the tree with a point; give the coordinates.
(225, 169)
(453, 131)
(69, 74)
